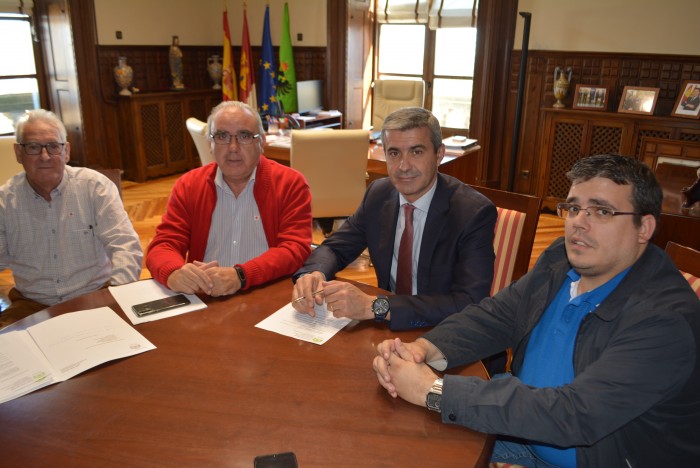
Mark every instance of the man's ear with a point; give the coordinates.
(647, 229)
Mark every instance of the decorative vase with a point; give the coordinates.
(561, 86)
(123, 75)
(215, 70)
(175, 58)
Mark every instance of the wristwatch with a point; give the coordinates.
(241, 275)
(434, 396)
(380, 308)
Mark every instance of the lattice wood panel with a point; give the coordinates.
(605, 140)
(152, 140)
(649, 133)
(566, 150)
(689, 136)
(175, 128)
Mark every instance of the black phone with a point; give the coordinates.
(160, 305)
(276, 460)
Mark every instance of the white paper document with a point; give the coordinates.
(138, 292)
(317, 330)
(62, 347)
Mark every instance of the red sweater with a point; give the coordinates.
(283, 198)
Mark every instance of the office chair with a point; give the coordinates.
(334, 163)
(8, 162)
(389, 95)
(198, 130)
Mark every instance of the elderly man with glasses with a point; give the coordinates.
(605, 333)
(63, 230)
(240, 221)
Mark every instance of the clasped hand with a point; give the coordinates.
(342, 299)
(205, 278)
(402, 371)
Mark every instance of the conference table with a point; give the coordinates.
(217, 391)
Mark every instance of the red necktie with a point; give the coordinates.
(404, 268)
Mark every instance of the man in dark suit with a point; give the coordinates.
(447, 264)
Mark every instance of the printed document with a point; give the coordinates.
(317, 330)
(138, 292)
(62, 347)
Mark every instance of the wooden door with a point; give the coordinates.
(61, 71)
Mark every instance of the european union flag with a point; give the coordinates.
(267, 94)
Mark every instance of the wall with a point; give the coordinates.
(627, 26)
(199, 22)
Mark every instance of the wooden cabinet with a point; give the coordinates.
(155, 141)
(568, 135)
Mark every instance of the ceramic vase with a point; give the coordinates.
(561, 86)
(175, 58)
(123, 75)
(215, 70)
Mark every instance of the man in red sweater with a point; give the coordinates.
(240, 221)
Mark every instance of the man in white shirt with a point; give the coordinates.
(63, 230)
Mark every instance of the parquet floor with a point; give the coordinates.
(145, 203)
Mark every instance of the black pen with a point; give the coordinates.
(299, 299)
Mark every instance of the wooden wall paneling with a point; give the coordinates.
(602, 130)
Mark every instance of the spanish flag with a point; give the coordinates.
(229, 86)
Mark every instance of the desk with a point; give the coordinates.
(464, 167)
(218, 391)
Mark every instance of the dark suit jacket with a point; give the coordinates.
(455, 266)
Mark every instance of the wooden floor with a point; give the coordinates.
(145, 203)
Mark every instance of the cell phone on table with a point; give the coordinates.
(160, 305)
(276, 460)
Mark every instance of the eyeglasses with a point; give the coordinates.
(596, 213)
(34, 149)
(224, 138)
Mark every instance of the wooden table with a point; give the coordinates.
(464, 167)
(217, 392)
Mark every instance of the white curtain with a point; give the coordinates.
(452, 14)
(13, 6)
(436, 13)
(403, 11)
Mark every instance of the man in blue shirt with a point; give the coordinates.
(605, 335)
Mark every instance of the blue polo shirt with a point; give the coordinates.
(549, 357)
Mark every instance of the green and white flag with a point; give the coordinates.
(286, 75)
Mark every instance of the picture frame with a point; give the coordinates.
(591, 97)
(688, 101)
(638, 100)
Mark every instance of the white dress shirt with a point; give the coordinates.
(72, 245)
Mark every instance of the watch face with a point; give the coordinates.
(380, 307)
(433, 401)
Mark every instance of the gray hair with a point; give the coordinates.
(234, 105)
(39, 115)
(408, 118)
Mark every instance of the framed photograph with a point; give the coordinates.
(638, 100)
(590, 97)
(688, 102)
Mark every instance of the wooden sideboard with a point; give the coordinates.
(569, 135)
(155, 141)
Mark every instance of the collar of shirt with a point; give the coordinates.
(423, 203)
(595, 296)
(221, 183)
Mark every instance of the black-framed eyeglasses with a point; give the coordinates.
(34, 149)
(224, 138)
(596, 213)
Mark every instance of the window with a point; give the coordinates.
(19, 88)
(415, 43)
